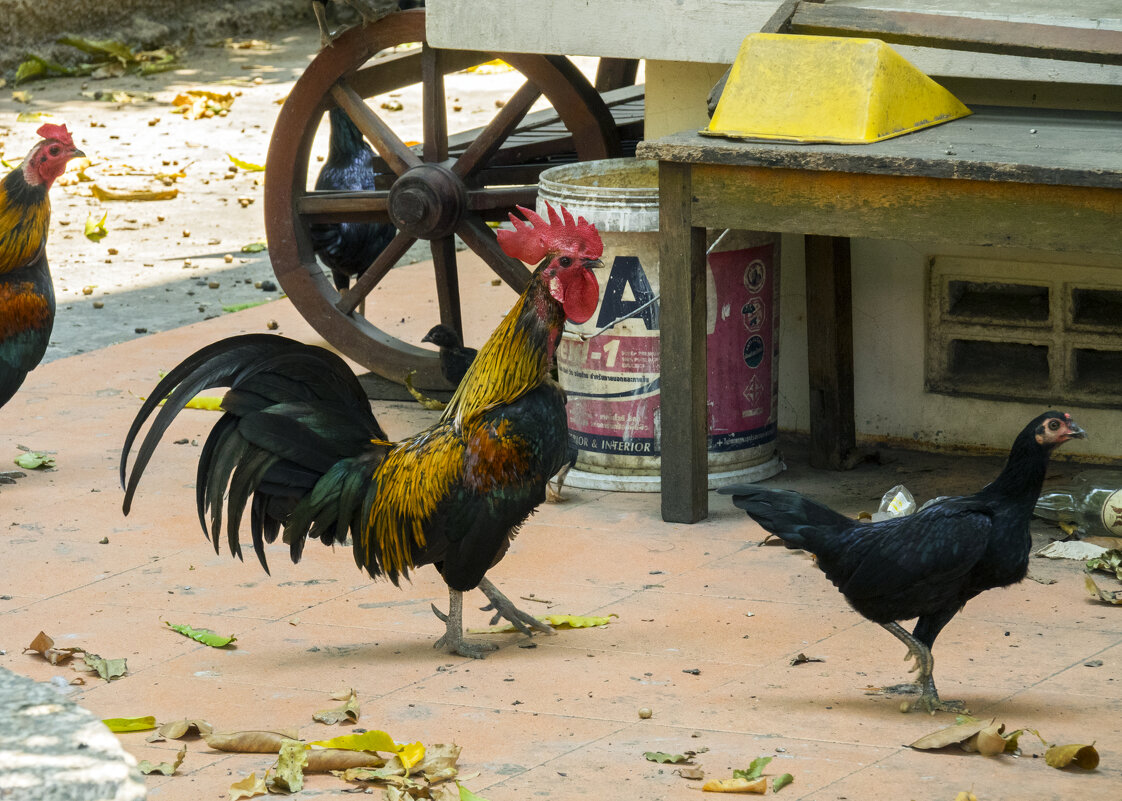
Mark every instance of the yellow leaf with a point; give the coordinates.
(965, 796)
(1060, 756)
(759, 786)
(249, 166)
(291, 760)
(166, 768)
(95, 229)
(130, 724)
(557, 621)
(249, 787)
(376, 740)
(104, 193)
(210, 403)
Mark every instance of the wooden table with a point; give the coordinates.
(1002, 177)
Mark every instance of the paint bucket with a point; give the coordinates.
(611, 371)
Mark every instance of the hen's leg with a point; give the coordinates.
(453, 638)
(505, 609)
(925, 665)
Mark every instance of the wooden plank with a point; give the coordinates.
(921, 209)
(683, 409)
(829, 343)
(1031, 146)
(1089, 45)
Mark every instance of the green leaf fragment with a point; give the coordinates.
(662, 757)
(781, 781)
(33, 460)
(130, 724)
(237, 307)
(205, 636)
(468, 795)
(254, 247)
(754, 771)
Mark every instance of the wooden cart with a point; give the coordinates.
(445, 187)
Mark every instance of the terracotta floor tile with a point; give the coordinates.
(557, 720)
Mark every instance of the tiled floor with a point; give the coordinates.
(707, 625)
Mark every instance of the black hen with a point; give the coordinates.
(455, 358)
(348, 248)
(929, 564)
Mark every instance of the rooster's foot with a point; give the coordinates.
(503, 608)
(10, 476)
(931, 703)
(453, 638)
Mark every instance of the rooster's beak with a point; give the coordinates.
(77, 154)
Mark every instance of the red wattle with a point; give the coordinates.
(580, 294)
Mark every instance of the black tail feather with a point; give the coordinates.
(298, 443)
(795, 519)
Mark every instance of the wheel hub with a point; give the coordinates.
(427, 201)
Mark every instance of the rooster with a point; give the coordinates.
(929, 564)
(27, 298)
(348, 248)
(299, 444)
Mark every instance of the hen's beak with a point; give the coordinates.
(1075, 432)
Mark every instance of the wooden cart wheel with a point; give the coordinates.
(443, 187)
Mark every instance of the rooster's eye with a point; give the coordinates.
(565, 261)
(54, 150)
(1054, 424)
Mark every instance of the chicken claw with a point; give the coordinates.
(503, 608)
(453, 638)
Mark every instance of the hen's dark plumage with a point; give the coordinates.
(348, 248)
(929, 564)
(455, 358)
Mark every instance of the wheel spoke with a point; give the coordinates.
(388, 144)
(491, 138)
(398, 70)
(447, 282)
(343, 206)
(482, 240)
(433, 105)
(375, 272)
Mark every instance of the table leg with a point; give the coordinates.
(683, 412)
(829, 324)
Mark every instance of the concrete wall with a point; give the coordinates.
(32, 26)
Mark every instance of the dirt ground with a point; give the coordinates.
(168, 263)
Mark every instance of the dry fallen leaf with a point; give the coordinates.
(249, 787)
(1110, 596)
(104, 193)
(952, 735)
(291, 760)
(176, 729)
(349, 711)
(1084, 756)
(249, 742)
(325, 760)
(691, 773)
(108, 669)
(802, 659)
(45, 646)
(759, 786)
(166, 768)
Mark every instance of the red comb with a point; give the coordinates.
(530, 243)
(56, 132)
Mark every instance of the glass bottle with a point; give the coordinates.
(1092, 501)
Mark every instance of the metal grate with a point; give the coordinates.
(1025, 331)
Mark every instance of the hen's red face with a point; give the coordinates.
(1058, 430)
(47, 160)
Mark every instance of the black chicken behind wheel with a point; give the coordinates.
(929, 564)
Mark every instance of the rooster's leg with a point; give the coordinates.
(505, 609)
(453, 638)
(925, 664)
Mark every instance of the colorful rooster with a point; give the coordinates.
(299, 444)
(27, 298)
